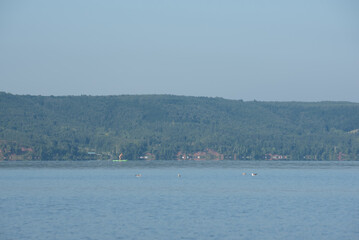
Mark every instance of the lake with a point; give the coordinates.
(210, 200)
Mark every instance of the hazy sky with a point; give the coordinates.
(263, 50)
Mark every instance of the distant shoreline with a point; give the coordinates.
(150, 127)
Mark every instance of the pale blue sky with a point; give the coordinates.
(263, 50)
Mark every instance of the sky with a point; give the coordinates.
(305, 50)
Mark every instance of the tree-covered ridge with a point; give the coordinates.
(171, 127)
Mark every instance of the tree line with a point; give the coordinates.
(101, 127)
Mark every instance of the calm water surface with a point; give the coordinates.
(211, 200)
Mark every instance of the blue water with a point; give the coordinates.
(211, 200)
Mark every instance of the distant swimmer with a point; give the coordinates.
(138, 175)
(178, 175)
(254, 174)
(244, 173)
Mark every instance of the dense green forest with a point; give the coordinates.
(174, 127)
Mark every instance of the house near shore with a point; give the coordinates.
(276, 157)
(208, 154)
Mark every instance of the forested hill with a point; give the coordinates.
(174, 127)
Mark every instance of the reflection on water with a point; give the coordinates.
(182, 164)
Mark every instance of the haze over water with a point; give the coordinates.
(211, 200)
